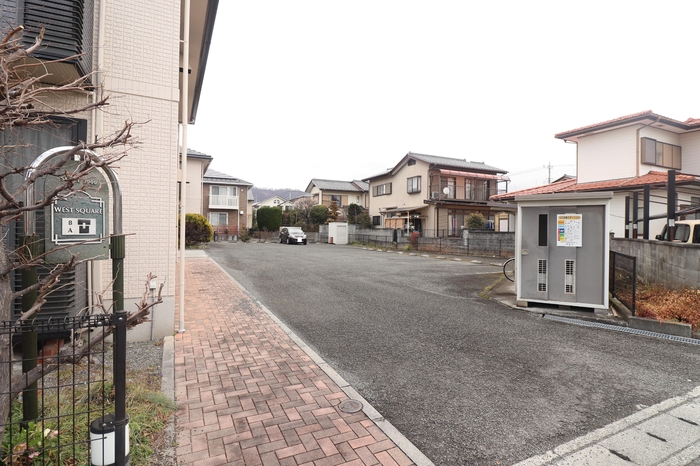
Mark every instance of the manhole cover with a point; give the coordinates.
(350, 406)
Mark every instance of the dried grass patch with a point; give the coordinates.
(660, 303)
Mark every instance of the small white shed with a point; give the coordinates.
(338, 233)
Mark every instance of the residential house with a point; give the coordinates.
(434, 195)
(225, 202)
(627, 155)
(289, 204)
(197, 165)
(343, 193)
(131, 51)
(274, 201)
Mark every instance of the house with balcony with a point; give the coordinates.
(225, 202)
(630, 156)
(343, 193)
(434, 195)
(134, 52)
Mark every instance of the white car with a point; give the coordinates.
(687, 231)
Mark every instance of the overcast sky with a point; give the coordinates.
(296, 90)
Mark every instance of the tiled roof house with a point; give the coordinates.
(434, 194)
(624, 155)
(343, 193)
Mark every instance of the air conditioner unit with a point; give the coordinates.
(434, 195)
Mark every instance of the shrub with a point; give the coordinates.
(333, 212)
(269, 218)
(197, 230)
(353, 211)
(364, 220)
(244, 236)
(475, 221)
(318, 214)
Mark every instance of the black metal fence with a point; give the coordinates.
(49, 421)
(623, 279)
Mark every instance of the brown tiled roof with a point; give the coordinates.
(655, 178)
(545, 189)
(647, 114)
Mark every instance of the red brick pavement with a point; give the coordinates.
(248, 395)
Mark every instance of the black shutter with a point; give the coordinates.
(68, 29)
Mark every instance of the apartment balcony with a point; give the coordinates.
(462, 192)
(223, 202)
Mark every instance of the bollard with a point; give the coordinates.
(103, 441)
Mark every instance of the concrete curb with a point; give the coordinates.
(389, 430)
(616, 427)
(167, 387)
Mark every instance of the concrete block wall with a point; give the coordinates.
(672, 264)
(477, 242)
(496, 242)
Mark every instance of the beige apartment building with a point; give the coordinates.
(434, 195)
(135, 51)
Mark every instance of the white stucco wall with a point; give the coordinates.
(399, 196)
(195, 173)
(615, 150)
(690, 143)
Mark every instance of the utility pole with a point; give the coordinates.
(549, 172)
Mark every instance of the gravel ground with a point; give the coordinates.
(148, 356)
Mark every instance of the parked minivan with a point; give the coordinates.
(687, 231)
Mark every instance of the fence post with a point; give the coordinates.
(30, 404)
(120, 419)
(118, 254)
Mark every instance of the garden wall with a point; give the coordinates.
(472, 242)
(672, 264)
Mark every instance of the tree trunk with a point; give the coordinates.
(5, 343)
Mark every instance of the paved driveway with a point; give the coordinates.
(466, 379)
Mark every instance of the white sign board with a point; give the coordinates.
(569, 230)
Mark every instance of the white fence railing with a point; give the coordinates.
(223, 202)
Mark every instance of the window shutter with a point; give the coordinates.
(67, 27)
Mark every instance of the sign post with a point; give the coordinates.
(77, 225)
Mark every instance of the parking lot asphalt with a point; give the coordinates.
(466, 379)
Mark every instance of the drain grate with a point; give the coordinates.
(585, 323)
(350, 406)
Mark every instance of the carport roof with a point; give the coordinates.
(402, 209)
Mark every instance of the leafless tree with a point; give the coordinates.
(303, 205)
(25, 103)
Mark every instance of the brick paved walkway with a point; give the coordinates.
(248, 395)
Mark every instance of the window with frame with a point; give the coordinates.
(218, 218)
(661, 154)
(381, 190)
(337, 198)
(231, 191)
(694, 204)
(376, 220)
(413, 184)
(452, 188)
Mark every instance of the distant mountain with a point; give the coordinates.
(261, 194)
